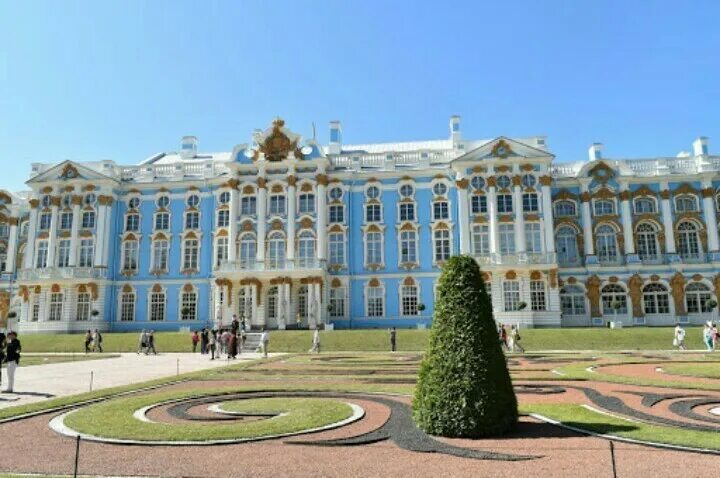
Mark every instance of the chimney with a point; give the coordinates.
(700, 146)
(455, 135)
(595, 151)
(335, 144)
(188, 147)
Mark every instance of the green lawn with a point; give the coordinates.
(702, 370)
(636, 338)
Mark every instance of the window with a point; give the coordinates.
(529, 181)
(477, 183)
(336, 245)
(481, 239)
(277, 204)
(127, 307)
(224, 197)
(248, 251)
(407, 211)
(373, 248)
(375, 302)
(478, 204)
(530, 202)
(63, 258)
(511, 295)
(45, 219)
(507, 238)
(440, 189)
(565, 208)
(188, 305)
(4, 230)
(572, 300)
(306, 249)
(440, 210)
(66, 221)
(160, 255)
(88, 219)
(614, 300)
(157, 306)
(533, 237)
(406, 190)
(697, 295)
(335, 193)
(89, 199)
(163, 201)
(190, 254)
(656, 299)
(56, 306)
(409, 300)
(87, 253)
(192, 220)
(336, 214)
(276, 254)
(688, 243)
(503, 182)
(248, 206)
(442, 245)
(603, 208)
(647, 245)
(337, 302)
(686, 204)
(373, 192)
(223, 218)
(133, 203)
(373, 213)
(46, 201)
(193, 200)
(644, 206)
(307, 203)
(83, 306)
(132, 222)
(41, 255)
(504, 203)
(537, 295)
(221, 251)
(162, 221)
(408, 247)
(606, 239)
(130, 255)
(35, 311)
(567, 248)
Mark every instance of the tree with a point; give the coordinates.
(464, 387)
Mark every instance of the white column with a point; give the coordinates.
(710, 218)
(52, 238)
(587, 220)
(547, 214)
(12, 248)
(321, 216)
(667, 220)
(281, 306)
(254, 305)
(627, 221)
(108, 242)
(492, 219)
(464, 213)
(288, 305)
(29, 256)
(232, 247)
(291, 212)
(72, 260)
(100, 243)
(519, 218)
(261, 219)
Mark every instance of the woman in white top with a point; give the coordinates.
(679, 340)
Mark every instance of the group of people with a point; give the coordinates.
(146, 344)
(93, 341)
(229, 342)
(709, 336)
(510, 342)
(9, 354)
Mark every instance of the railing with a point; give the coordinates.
(61, 273)
(520, 258)
(694, 258)
(284, 265)
(177, 171)
(392, 160)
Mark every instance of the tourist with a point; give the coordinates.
(298, 320)
(194, 338)
(12, 358)
(204, 339)
(243, 337)
(88, 341)
(714, 335)
(224, 339)
(235, 324)
(97, 341)
(515, 339)
(242, 323)
(211, 344)
(264, 342)
(2, 353)
(142, 343)
(232, 346)
(393, 339)
(679, 340)
(151, 343)
(316, 342)
(708, 337)
(504, 338)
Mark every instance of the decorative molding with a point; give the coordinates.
(635, 284)
(277, 146)
(592, 290)
(677, 284)
(462, 183)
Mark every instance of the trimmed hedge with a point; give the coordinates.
(464, 387)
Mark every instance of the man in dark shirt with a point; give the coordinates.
(12, 356)
(393, 335)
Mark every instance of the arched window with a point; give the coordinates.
(248, 250)
(645, 206)
(656, 299)
(441, 239)
(697, 295)
(276, 253)
(127, 306)
(409, 299)
(56, 306)
(686, 203)
(572, 300)
(604, 207)
(537, 295)
(157, 305)
(160, 253)
(408, 247)
(132, 222)
(336, 247)
(373, 248)
(375, 301)
(88, 220)
(607, 250)
(337, 301)
(272, 302)
(688, 240)
(130, 255)
(306, 248)
(481, 239)
(221, 251)
(87, 253)
(511, 295)
(647, 243)
(567, 249)
(306, 203)
(83, 306)
(188, 305)
(614, 299)
(303, 302)
(191, 249)
(565, 208)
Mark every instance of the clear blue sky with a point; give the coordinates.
(123, 80)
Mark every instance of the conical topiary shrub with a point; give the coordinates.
(464, 387)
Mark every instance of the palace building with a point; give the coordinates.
(288, 233)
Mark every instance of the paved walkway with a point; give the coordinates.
(40, 382)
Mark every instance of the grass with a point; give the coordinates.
(701, 370)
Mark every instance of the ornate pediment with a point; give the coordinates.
(601, 172)
(277, 143)
(502, 149)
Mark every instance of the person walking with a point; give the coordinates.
(235, 324)
(232, 346)
(316, 342)
(504, 338)
(88, 341)
(679, 340)
(12, 358)
(194, 338)
(265, 341)
(142, 342)
(2, 354)
(97, 341)
(204, 339)
(515, 339)
(151, 343)
(211, 344)
(708, 336)
(393, 339)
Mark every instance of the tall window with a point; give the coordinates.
(607, 250)
(192, 220)
(337, 302)
(686, 204)
(572, 300)
(697, 295)
(130, 255)
(373, 248)
(41, 255)
(688, 241)
(87, 252)
(336, 213)
(306, 249)
(441, 210)
(373, 213)
(188, 305)
(45, 219)
(248, 205)
(221, 251)
(656, 299)
(478, 204)
(190, 254)
(504, 203)
(644, 206)
(375, 302)
(481, 239)
(647, 244)
(88, 220)
(613, 294)
(248, 252)
(272, 302)
(223, 218)
(409, 299)
(533, 237)
(56, 306)
(603, 208)
(132, 222)
(507, 238)
(511, 295)
(66, 221)
(336, 245)
(277, 204)
(537, 295)
(157, 306)
(303, 301)
(160, 255)
(127, 307)
(407, 211)
(83, 306)
(565, 208)
(530, 202)
(408, 247)
(442, 245)
(566, 240)
(63, 258)
(276, 254)
(162, 221)
(306, 203)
